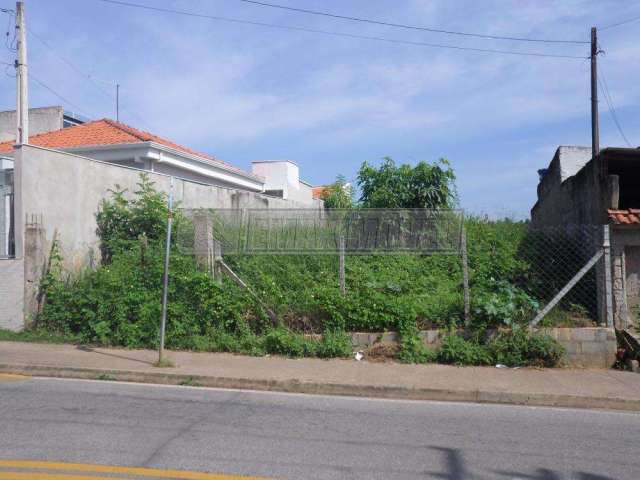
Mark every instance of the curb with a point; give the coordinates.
(297, 386)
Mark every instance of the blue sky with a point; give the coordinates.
(246, 93)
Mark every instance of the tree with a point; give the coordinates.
(424, 186)
(339, 194)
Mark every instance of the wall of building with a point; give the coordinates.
(11, 294)
(284, 176)
(41, 120)
(578, 200)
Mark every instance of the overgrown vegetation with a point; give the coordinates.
(119, 302)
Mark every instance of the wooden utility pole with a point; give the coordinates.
(22, 107)
(595, 128)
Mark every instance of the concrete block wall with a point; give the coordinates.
(584, 347)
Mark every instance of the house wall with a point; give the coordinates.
(11, 294)
(41, 120)
(578, 200)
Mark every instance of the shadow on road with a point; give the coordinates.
(457, 470)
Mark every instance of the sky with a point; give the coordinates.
(245, 92)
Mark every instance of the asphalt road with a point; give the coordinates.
(309, 437)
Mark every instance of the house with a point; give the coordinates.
(52, 187)
(41, 120)
(577, 189)
(115, 142)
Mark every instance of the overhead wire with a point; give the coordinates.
(612, 111)
(410, 27)
(618, 24)
(71, 64)
(338, 34)
(51, 90)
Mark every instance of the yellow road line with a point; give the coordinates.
(89, 468)
(10, 377)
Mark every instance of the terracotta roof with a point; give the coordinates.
(629, 216)
(316, 192)
(110, 132)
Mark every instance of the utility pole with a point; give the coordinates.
(22, 107)
(595, 128)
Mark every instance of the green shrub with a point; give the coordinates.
(458, 351)
(282, 341)
(334, 344)
(519, 347)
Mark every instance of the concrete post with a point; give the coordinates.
(621, 309)
(606, 245)
(34, 263)
(341, 246)
(203, 240)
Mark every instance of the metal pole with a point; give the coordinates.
(117, 102)
(465, 277)
(22, 107)
(165, 280)
(595, 128)
(608, 287)
(343, 287)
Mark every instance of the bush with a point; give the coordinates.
(519, 347)
(458, 351)
(334, 344)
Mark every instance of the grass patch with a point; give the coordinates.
(36, 336)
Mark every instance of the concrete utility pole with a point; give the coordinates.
(22, 107)
(595, 128)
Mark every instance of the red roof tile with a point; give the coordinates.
(316, 192)
(630, 216)
(110, 132)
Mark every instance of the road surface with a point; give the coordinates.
(299, 436)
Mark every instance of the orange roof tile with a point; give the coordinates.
(316, 192)
(110, 132)
(630, 216)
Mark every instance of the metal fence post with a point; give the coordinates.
(341, 246)
(465, 277)
(608, 287)
(165, 279)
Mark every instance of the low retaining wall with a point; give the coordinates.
(593, 347)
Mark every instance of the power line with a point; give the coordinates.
(47, 87)
(607, 96)
(83, 74)
(72, 65)
(410, 27)
(338, 34)
(617, 24)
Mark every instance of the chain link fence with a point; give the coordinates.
(539, 275)
(552, 260)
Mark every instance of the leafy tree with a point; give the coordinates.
(338, 195)
(423, 186)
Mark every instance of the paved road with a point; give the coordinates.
(308, 437)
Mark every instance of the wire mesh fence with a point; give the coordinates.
(317, 231)
(551, 259)
(552, 270)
